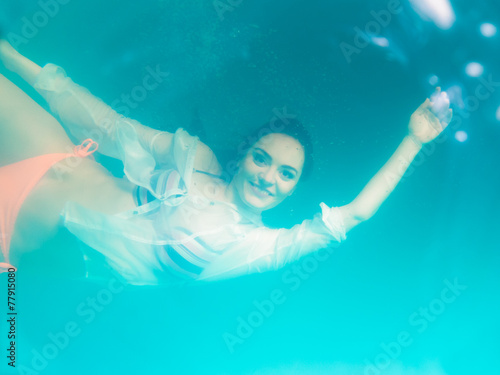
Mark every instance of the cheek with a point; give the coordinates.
(239, 179)
(245, 171)
(286, 187)
(248, 167)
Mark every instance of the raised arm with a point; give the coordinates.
(264, 249)
(82, 114)
(426, 123)
(86, 116)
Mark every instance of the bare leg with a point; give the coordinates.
(26, 129)
(17, 63)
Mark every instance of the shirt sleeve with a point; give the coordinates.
(86, 116)
(264, 249)
(82, 114)
(142, 169)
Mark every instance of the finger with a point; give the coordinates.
(434, 97)
(441, 109)
(436, 93)
(439, 94)
(441, 104)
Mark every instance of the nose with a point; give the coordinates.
(267, 177)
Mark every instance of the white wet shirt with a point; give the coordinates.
(182, 235)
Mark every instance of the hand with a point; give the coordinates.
(431, 118)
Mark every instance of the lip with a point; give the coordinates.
(260, 191)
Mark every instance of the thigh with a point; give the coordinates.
(26, 129)
(86, 183)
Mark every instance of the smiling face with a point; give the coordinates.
(269, 172)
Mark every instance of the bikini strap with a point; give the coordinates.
(87, 148)
(209, 174)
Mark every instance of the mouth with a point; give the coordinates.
(259, 191)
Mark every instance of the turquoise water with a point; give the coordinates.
(414, 290)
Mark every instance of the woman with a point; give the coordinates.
(175, 216)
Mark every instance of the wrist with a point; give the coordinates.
(414, 139)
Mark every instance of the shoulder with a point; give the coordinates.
(206, 161)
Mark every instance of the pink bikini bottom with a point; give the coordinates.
(17, 180)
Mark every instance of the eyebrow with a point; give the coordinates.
(269, 156)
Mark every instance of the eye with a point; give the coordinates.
(259, 159)
(287, 175)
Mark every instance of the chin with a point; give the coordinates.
(255, 202)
